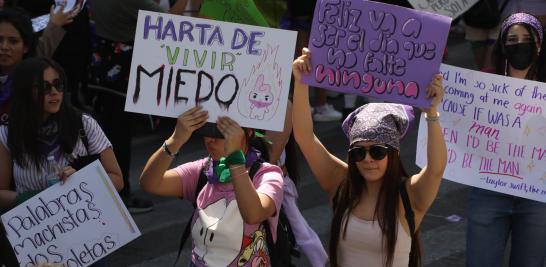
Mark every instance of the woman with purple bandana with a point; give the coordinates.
(370, 226)
(492, 216)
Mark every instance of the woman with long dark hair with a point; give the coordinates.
(44, 137)
(493, 216)
(45, 130)
(368, 224)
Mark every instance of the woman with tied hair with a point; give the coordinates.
(369, 227)
(494, 216)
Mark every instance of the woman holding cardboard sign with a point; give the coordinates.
(493, 217)
(371, 193)
(235, 192)
(46, 136)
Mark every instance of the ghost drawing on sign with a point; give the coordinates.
(261, 90)
(260, 99)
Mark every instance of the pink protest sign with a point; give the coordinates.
(377, 50)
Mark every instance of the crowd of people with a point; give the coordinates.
(248, 180)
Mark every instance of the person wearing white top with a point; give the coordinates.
(368, 186)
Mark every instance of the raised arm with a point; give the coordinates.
(328, 169)
(424, 185)
(254, 207)
(54, 33)
(156, 178)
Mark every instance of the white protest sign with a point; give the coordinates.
(74, 224)
(230, 69)
(495, 130)
(450, 8)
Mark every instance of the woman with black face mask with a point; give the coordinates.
(493, 216)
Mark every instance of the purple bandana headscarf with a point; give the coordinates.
(522, 18)
(378, 122)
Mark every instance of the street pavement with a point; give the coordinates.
(443, 229)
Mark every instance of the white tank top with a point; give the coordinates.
(363, 246)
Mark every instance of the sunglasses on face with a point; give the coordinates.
(47, 86)
(377, 152)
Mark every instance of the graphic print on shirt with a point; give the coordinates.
(255, 244)
(218, 233)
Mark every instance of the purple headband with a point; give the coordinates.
(522, 18)
(378, 122)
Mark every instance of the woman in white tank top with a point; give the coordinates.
(368, 225)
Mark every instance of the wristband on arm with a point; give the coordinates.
(222, 170)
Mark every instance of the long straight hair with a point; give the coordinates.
(26, 114)
(386, 210)
(537, 72)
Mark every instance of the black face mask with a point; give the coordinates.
(520, 56)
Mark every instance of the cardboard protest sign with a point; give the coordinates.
(230, 69)
(450, 8)
(74, 224)
(494, 127)
(239, 11)
(374, 49)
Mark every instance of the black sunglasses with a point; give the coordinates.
(377, 152)
(46, 87)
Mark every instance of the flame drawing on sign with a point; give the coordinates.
(261, 90)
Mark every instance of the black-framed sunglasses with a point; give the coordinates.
(46, 86)
(377, 152)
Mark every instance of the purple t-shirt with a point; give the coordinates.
(220, 237)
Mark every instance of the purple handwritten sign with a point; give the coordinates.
(375, 49)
